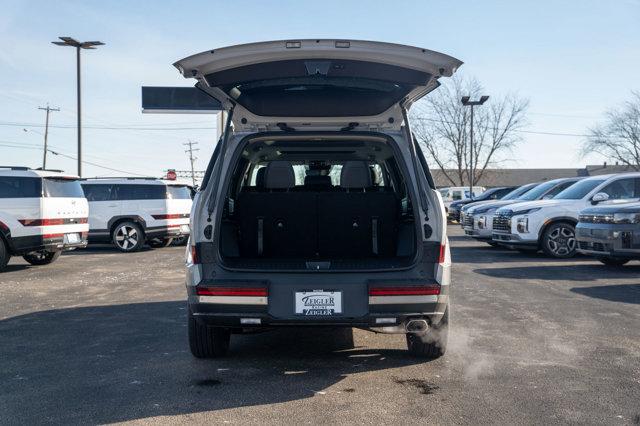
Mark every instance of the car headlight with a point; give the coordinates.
(526, 211)
(626, 218)
(522, 225)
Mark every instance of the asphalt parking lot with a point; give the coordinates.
(100, 337)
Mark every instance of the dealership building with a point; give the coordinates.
(491, 178)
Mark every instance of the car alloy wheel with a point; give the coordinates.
(127, 237)
(561, 241)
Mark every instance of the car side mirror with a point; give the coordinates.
(599, 197)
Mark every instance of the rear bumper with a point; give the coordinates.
(23, 245)
(169, 231)
(383, 313)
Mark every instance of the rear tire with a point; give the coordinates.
(613, 261)
(559, 240)
(127, 237)
(207, 342)
(434, 343)
(42, 257)
(4, 255)
(160, 242)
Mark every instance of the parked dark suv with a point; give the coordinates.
(610, 233)
(318, 208)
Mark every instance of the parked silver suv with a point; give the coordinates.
(317, 208)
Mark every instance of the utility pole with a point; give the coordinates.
(46, 132)
(191, 150)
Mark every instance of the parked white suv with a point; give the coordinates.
(549, 225)
(478, 220)
(318, 208)
(42, 212)
(131, 211)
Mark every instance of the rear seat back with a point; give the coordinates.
(360, 222)
(357, 222)
(277, 222)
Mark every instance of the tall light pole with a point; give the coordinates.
(68, 41)
(466, 102)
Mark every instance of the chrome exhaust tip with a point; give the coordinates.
(417, 326)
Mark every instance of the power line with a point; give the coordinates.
(12, 145)
(66, 126)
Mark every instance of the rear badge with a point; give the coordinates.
(318, 303)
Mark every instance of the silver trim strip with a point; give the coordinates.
(393, 300)
(233, 300)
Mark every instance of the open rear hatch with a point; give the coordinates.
(304, 84)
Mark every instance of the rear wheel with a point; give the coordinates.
(207, 342)
(127, 236)
(613, 261)
(559, 240)
(4, 255)
(160, 242)
(433, 344)
(42, 257)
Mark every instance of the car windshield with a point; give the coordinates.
(70, 188)
(538, 191)
(518, 192)
(578, 190)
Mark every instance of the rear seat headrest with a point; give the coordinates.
(279, 175)
(355, 174)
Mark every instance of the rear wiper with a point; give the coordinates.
(351, 126)
(285, 128)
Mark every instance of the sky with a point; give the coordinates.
(573, 60)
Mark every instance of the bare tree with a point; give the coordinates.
(618, 137)
(441, 126)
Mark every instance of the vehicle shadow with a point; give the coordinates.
(582, 272)
(15, 268)
(626, 293)
(116, 363)
(487, 254)
(100, 249)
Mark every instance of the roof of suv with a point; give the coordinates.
(27, 172)
(134, 180)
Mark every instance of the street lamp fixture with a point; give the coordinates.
(466, 101)
(68, 41)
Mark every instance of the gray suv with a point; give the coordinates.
(610, 233)
(318, 208)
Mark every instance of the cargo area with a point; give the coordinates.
(317, 204)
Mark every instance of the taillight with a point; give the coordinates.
(414, 290)
(195, 259)
(443, 253)
(232, 291)
(52, 236)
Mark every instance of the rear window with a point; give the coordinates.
(178, 192)
(140, 192)
(20, 187)
(578, 190)
(59, 188)
(98, 192)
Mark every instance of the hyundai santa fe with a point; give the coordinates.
(317, 208)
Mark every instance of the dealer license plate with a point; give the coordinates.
(318, 302)
(71, 238)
